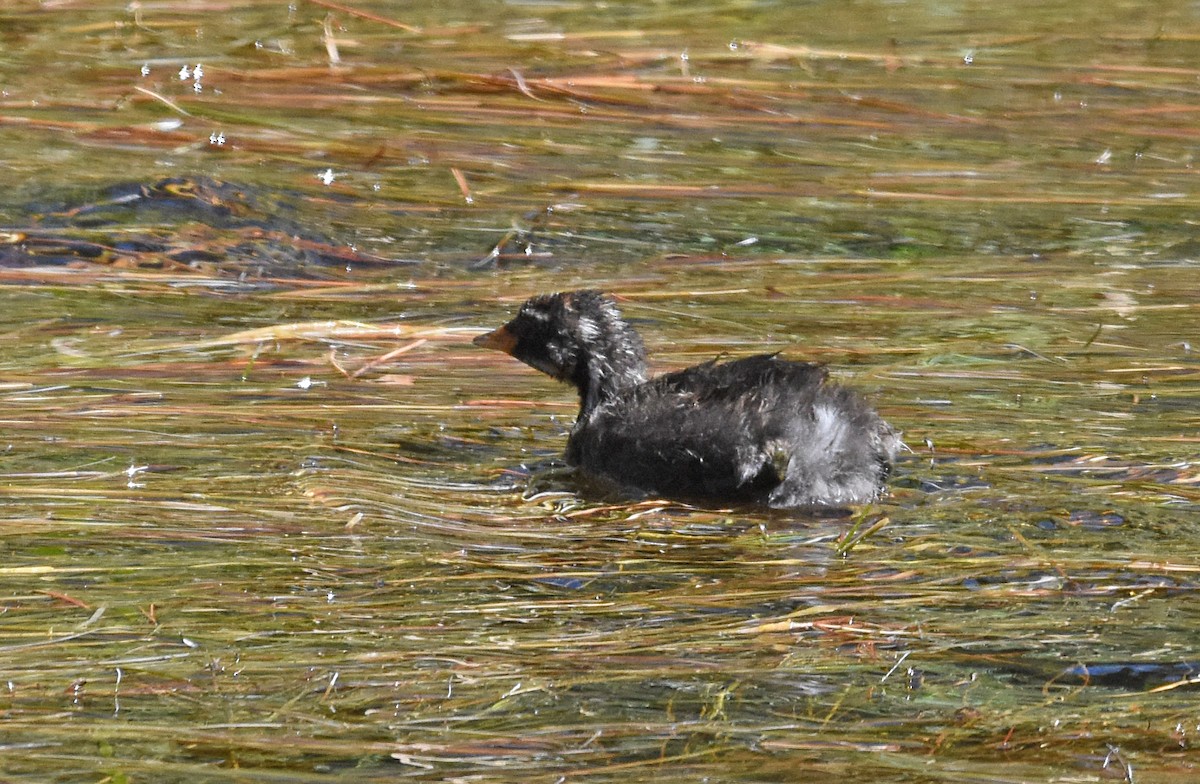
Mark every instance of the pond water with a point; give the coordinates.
(267, 515)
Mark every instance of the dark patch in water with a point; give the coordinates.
(189, 223)
(1134, 676)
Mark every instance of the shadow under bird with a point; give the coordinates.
(760, 429)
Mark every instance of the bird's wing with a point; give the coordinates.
(741, 378)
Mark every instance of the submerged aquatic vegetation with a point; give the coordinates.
(267, 514)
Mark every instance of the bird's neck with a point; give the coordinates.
(603, 376)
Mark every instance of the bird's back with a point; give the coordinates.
(760, 428)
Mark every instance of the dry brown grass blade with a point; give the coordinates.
(329, 331)
(368, 16)
(389, 356)
(463, 186)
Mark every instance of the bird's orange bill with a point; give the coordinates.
(500, 339)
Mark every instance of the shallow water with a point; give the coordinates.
(243, 542)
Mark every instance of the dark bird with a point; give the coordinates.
(760, 429)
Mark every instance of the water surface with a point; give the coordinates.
(242, 542)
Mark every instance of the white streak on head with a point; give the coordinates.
(588, 328)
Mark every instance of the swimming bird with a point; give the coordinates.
(761, 429)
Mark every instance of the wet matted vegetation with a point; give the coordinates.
(267, 515)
